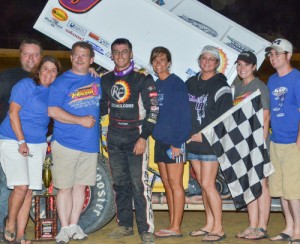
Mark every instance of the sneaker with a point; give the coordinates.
(147, 238)
(120, 232)
(63, 236)
(76, 233)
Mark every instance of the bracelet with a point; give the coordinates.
(21, 142)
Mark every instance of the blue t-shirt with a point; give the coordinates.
(78, 95)
(174, 121)
(285, 104)
(33, 100)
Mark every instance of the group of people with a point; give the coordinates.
(139, 107)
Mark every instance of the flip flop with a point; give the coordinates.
(284, 237)
(219, 238)
(246, 232)
(194, 233)
(7, 233)
(167, 234)
(19, 240)
(259, 233)
(294, 241)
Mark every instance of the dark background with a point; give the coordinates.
(267, 18)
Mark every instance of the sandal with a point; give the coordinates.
(196, 233)
(259, 233)
(246, 232)
(8, 235)
(19, 240)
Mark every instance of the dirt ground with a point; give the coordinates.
(233, 223)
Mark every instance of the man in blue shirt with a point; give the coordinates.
(30, 56)
(284, 89)
(74, 106)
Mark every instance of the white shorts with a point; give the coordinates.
(22, 170)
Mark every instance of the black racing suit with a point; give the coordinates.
(131, 101)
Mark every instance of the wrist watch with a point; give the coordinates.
(21, 142)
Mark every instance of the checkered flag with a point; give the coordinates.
(237, 139)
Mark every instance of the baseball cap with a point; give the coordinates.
(212, 50)
(280, 45)
(248, 57)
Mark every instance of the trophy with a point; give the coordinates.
(46, 226)
(47, 175)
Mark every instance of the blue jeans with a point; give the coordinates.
(4, 195)
(200, 157)
(130, 180)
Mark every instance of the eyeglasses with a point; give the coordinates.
(203, 58)
(275, 54)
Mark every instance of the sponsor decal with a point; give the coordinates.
(85, 92)
(76, 28)
(108, 54)
(154, 108)
(59, 14)
(115, 105)
(236, 45)
(78, 6)
(223, 61)
(153, 94)
(208, 30)
(159, 2)
(99, 39)
(96, 47)
(120, 91)
(154, 101)
(151, 121)
(190, 72)
(53, 22)
(74, 34)
(94, 36)
(151, 88)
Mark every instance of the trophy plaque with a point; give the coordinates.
(45, 228)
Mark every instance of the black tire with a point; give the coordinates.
(99, 207)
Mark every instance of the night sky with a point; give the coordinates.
(267, 18)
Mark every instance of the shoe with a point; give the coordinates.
(167, 234)
(147, 238)
(121, 231)
(259, 233)
(198, 233)
(218, 238)
(282, 237)
(63, 236)
(76, 233)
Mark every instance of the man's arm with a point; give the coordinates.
(62, 116)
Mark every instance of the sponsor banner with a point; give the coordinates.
(218, 27)
(104, 22)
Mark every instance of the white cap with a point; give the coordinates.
(280, 45)
(212, 50)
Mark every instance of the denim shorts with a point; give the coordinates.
(200, 157)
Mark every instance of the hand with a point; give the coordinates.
(197, 137)
(23, 149)
(87, 121)
(93, 72)
(175, 152)
(298, 143)
(140, 146)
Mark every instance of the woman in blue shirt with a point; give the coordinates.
(171, 131)
(23, 143)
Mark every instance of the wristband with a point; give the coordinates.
(21, 142)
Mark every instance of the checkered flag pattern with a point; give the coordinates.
(237, 139)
